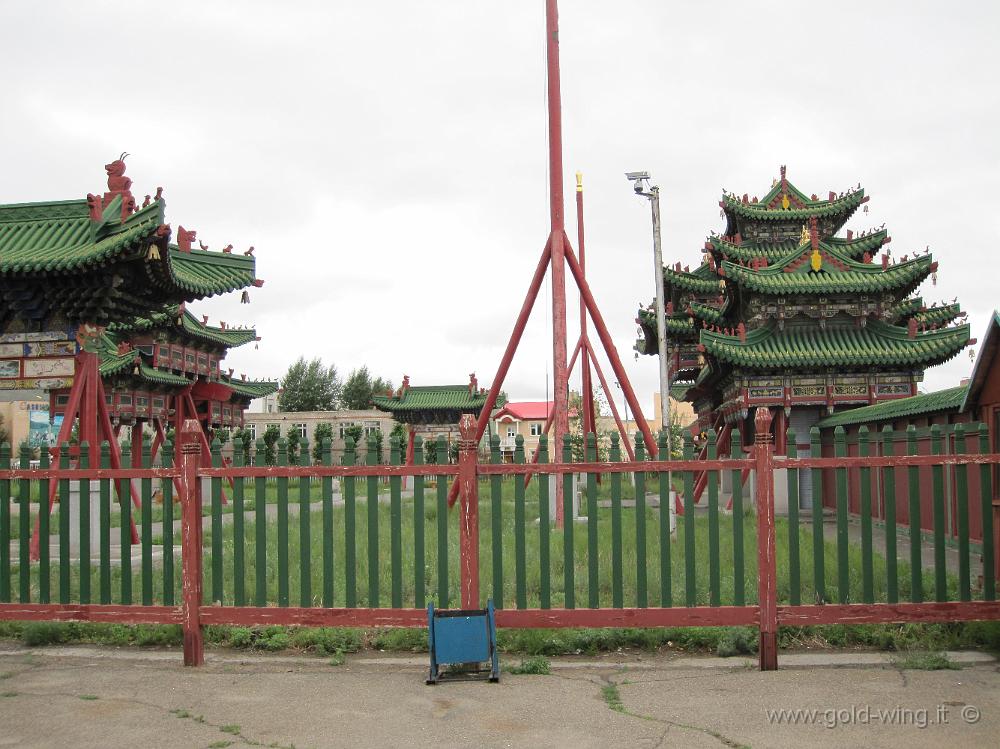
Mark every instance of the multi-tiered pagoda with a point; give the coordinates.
(784, 313)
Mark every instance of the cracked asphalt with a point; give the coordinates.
(105, 697)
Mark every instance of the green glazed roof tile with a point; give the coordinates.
(942, 400)
(250, 388)
(435, 398)
(875, 344)
(857, 277)
(192, 326)
(691, 281)
(819, 208)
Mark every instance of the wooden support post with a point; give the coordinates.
(766, 566)
(194, 643)
(468, 523)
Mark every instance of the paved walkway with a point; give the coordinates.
(91, 697)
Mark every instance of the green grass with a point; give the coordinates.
(537, 665)
(612, 697)
(231, 728)
(89, 697)
(925, 661)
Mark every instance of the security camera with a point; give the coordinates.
(637, 175)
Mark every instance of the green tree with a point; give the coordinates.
(294, 441)
(354, 431)
(271, 436)
(242, 440)
(323, 431)
(309, 386)
(4, 436)
(357, 392)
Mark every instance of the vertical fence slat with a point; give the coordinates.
(441, 453)
(593, 580)
(496, 523)
(867, 559)
(962, 501)
(146, 539)
(520, 573)
(666, 507)
(819, 561)
(283, 595)
(305, 529)
(44, 529)
(105, 518)
(125, 530)
(916, 565)
(239, 530)
(736, 477)
(260, 529)
(167, 451)
(84, 529)
(395, 527)
(569, 578)
(639, 478)
(216, 484)
(690, 591)
(889, 509)
(350, 528)
(371, 448)
(326, 456)
(419, 583)
(617, 583)
(24, 527)
(44, 569)
(986, 507)
(794, 562)
(5, 529)
(843, 545)
(714, 594)
(937, 484)
(545, 570)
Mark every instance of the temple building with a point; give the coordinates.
(784, 312)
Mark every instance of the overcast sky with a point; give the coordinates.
(389, 160)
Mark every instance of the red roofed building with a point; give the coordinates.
(525, 418)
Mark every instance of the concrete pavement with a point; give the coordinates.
(94, 697)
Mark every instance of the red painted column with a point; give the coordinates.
(137, 445)
(468, 518)
(766, 566)
(194, 643)
(557, 241)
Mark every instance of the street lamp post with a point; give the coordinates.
(652, 193)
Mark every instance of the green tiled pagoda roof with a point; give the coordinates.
(857, 278)
(250, 388)
(434, 398)
(38, 239)
(690, 281)
(708, 313)
(228, 337)
(210, 273)
(854, 248)
(942, 400)
(938, 315)
(905, 309)
(876, 344)
(113, 363)
(819, 208)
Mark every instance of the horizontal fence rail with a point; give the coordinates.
(306, 542)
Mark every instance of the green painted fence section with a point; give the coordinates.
(306, 541)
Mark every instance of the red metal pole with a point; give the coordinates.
(468, 521)
(557, 239)
(766, 566)
(194, 643)
(626, 438)
(137, 445)
(586, 385)
(508, 354)
(609, 349)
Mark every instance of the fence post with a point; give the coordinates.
(766, 567)
(194, 644)
(468, 523)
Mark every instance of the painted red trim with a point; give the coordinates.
(69, 612)
(800, 616)
(767, 574)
